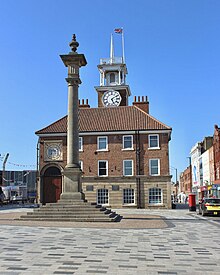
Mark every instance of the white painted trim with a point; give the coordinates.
(124, 167)
(104, 204)
(158, 167)
(106, 168)
(162, 200)
(53, 141)
(158, 141)
(132, 142)
(127, 204)
(109, 133)
(53, 135)
(81, 166)
(100, 150)
(81, 149)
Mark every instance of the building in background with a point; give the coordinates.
(26, 178)
(186, 181)
(202, 167)
(124, 151)
(216, 154)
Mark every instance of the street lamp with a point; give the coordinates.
(190, 174)
(176, 184)
(173, 168)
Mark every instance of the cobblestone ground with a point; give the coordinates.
(186, 245)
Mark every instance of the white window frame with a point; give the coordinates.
(80, 143)
(129, 196)
(155, 194)
(102, 191)
(106, 168)
(158, 142)
(128, 148)
(81, 164)
(132, 167)
(150, 167)
(98, 142)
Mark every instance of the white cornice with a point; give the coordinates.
(109, 133)
(114, 87)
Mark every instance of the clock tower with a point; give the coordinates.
(113, 91)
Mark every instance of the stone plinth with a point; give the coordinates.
(71, 187)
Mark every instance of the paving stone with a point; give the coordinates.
(175, 249)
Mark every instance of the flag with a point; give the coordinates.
(119, 30)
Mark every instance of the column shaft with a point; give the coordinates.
(72, 126)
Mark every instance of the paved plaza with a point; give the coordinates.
(179, 242)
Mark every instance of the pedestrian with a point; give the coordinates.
(183, 199)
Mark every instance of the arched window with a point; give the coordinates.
(155, 195)
(112, 78)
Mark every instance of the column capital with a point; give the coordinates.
(73, 81)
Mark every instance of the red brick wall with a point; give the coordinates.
(186, 180)
(115, 155)
(216, 151)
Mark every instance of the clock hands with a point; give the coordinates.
(112, 98)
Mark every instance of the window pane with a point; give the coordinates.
(153, 141)
(155, 195)
(127, 142)
(80, 143)
(128, 196)
(102, 164)
(102, 143)
(102, 196)
(102, 168)
(128, 168)
(154, 169)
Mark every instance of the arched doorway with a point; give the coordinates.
(52, 185)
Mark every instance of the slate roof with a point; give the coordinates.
(124, 118)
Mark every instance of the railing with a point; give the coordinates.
(114, 60)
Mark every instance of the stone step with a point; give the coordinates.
(69, 210)
(34, 217)
(70, 207)
(34, 214)
(76, 219)
(69, 202)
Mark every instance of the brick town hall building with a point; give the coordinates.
(123, 150)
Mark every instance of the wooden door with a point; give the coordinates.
(52, 189)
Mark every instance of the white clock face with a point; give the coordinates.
(53, 151)
(111, 98)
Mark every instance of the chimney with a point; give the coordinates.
(84, 104)
(142, 103)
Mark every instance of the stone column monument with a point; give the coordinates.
(72, 172)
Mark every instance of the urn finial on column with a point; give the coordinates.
(74, 44)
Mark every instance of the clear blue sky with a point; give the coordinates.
(172, 51)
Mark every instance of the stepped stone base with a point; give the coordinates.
(72, 210)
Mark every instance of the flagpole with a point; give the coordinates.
(123, 46)
(112, 50)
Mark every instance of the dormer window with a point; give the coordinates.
(112, 78)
